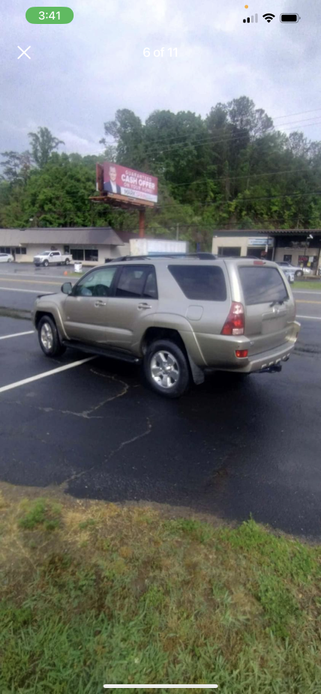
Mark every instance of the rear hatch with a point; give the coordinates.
(268, 305)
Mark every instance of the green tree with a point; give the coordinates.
(16, 167)
(43, 144)
(231, 168)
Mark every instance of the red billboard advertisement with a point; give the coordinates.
(130, 183)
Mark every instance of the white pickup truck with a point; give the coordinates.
(52, 258)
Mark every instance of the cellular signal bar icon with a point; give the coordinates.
(251, 20)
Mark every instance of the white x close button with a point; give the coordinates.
(24, 52)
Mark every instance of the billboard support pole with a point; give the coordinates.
(142, 223)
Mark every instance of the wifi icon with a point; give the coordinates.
(268, 16)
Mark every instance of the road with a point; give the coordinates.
(227, 448)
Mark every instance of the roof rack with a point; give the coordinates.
(200, 256)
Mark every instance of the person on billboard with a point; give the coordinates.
(111, 186)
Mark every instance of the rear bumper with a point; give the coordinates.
(219, 352)
(261, 362)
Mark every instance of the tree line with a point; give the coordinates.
(231, 169)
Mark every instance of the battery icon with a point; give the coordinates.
(289, 18)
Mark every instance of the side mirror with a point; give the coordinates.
(66, 288)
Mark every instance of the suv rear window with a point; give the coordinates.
(262, 284)
(203, 282)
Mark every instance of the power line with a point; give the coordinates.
(236, 199)
(301, 113)
(224, 178)
(234, 178)
(212, 139)
(289, 115)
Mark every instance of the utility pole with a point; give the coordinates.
(177, 232)
(142, 223)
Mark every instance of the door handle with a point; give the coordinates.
(143, 305)
(100, 303)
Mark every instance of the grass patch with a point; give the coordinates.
(127, 595)
(305, 284)
(40, 513)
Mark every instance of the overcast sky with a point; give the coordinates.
(81, 73)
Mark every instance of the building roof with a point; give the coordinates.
(83, 236)
(266, 232)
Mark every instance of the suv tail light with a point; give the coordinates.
(234, 324)
(241, 353)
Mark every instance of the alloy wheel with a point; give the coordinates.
(46, 336)
(164, 369)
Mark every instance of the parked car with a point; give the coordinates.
(175, 316)
(6, 258)
(52, 258)
(289, 273)
(298, 271)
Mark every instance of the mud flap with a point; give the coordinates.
(197, 373)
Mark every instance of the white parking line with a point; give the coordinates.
(17, 384)
(28, 332)
(310, 317)
(30, 291)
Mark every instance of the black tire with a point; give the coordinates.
(47, 332)
(178, 378)
(67, 261)
(299, 273)
(45, 263)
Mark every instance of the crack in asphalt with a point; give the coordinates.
(77, 475)
(87, 414)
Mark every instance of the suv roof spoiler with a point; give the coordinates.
(200, 256)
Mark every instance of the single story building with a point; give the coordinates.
(297, 246)
(90, 245)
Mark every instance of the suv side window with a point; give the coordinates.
(200, 282)
(131, 282)
(97, 283)
(150, 289)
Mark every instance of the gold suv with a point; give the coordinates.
(175, 316)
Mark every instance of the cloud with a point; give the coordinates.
(74, 143)
(81, 73)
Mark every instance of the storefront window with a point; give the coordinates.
(88, 254)
(77, 253)
(227, 251)
(91, 255)
(308, 260)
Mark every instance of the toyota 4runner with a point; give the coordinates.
(178, 317)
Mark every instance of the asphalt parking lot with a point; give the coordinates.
(227, 448)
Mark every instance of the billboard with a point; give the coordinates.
(121, 180)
